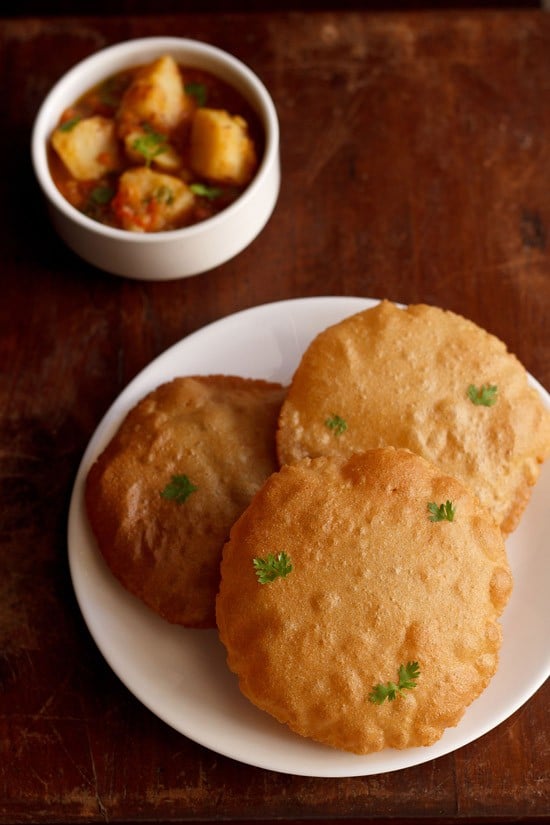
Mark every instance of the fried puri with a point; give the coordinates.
(377, 585)
(427, 380)
(162, 496)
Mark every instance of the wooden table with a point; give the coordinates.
(415, 156)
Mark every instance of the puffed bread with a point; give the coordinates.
(400, 377)
(375, 584)
(218, 431)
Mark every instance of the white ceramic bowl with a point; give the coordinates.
(176, 253)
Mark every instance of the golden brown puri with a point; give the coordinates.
(213, 433)
(375, 585)
(400, 377)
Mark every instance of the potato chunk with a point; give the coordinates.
(149, 201)
(221, 149)
(89, 149)
(156, 96)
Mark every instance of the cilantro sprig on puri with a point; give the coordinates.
(407, 676)
(337, 424)
(484, 396)
(442, 512)
(179, 489)
(272, 567)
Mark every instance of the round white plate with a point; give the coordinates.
(181, 675)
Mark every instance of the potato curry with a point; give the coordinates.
(156, 147)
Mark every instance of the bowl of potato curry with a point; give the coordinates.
(158, 157)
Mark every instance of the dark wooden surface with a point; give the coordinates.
(415, 156)
(23, 8)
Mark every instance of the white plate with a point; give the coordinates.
(181, 674)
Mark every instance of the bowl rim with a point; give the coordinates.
(126, 49)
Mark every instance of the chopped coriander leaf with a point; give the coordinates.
(210, 192)
(443, 512)
(70, 124)
(407, 675)
(164, 195)
(150, 144)
(485, 396)
(337, 424)
(102, 194)
(179, 489)
(111, 91)
(272, 567)
(198, 91)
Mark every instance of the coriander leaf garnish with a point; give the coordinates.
(485, 396)
(164, 195)
(270, 568)
(407, 675)
(443, 512)
(150, 144)
(111, 90)
(179, 489)
(102, 194)
(198, 91)
(70, 124)
(337, 424)
(210, 192)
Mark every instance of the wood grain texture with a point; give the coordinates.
(415, 167)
